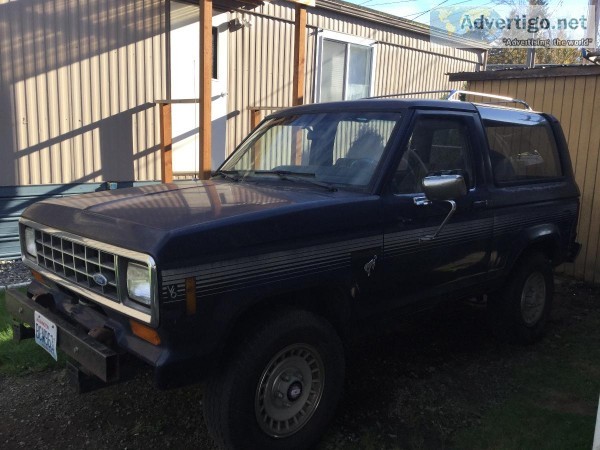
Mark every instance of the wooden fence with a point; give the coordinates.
(572, 94)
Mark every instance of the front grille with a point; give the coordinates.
(78, 263)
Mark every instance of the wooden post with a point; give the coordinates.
(205, 88)
(299, 54)
(299, 67)
(166, 143)
(255, 117)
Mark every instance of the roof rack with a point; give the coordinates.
(502, 98)
(458, 95)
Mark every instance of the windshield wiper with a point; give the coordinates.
(284, 173)
(291, 175)
(229, 174)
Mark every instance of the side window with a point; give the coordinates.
(522, 152)
(435, 146)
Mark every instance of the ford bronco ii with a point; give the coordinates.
(327, 218)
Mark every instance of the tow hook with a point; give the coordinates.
(103, 335)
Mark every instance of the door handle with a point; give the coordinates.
(480, 204)
(421, 201)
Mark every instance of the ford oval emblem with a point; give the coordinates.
(100, 279)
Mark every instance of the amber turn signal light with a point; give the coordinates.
(145, 332)
(37, 276)
(190, 296)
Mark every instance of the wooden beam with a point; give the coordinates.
(206, 61)
(255, 117)
(166, 143)
(299, 68)
(299, 55)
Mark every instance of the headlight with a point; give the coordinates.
(138, 283)
(30, 241)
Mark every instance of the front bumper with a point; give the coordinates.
(90, 353)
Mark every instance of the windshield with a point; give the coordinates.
(337, 149)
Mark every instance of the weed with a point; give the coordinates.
(19, 358)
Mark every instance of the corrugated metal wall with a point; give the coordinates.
(77, 82)
(260, 66)
(575, 101)
(78, 78)
(261, 60)
(14, 199)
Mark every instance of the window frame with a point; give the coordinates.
(525, 181)
(343, 39)
(473, 141)
(380, 169)
(517, 116)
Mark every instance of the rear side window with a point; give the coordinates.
(522, 151)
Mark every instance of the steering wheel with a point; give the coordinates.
(416, 164)
(363, 164)
(410, 178)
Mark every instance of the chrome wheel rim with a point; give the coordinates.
(289, 390)
(533, 298)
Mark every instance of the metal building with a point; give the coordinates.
(572, 94)
(81, 82)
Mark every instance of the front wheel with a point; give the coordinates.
(280, 388)
(519, 312)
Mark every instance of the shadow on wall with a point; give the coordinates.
(116, 147)
(77, 82)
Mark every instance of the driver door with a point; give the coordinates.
(459, 256)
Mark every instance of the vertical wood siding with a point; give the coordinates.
(77, 82)
(261, 60)
(575, 101)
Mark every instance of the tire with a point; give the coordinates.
(259, 399)
(519, 313)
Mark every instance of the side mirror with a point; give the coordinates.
(444, 187)
(447, 188)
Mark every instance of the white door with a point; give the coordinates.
(185, 50)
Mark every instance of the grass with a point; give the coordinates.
(459, 389)
(554, 403)
(522, 423)
(548, 401)
(19, 358)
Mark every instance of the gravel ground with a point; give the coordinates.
(13, 272)
(413, 388)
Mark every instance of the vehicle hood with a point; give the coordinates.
(180, 221)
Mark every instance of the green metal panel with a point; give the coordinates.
(14, 199)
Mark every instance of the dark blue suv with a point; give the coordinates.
(326, 220)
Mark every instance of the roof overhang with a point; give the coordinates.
(361, 12)
(536, 72)
(235, 4)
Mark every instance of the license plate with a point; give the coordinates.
(45, 334)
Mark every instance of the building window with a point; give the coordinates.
(215, 53)
(346, 67)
